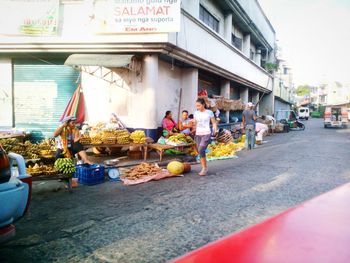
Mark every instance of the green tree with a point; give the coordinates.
(303, 90)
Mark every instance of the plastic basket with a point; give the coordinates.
(90, 174)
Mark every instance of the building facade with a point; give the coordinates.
(284, 88)
(222, 47)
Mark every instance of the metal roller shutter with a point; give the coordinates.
(42, 92)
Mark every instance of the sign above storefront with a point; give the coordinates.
(136, 16)
(29, 17)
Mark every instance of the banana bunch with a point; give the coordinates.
(41, 169)
(178, 138)
(222, 150)
(65, 165)
(85, 139)
(96, 139)
(8, 144)
(189, 139)
(47, 144)
(123, 139)
(138, 137)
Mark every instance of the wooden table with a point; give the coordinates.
(161, 148)
(143, 146)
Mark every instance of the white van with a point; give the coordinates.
(304, 113)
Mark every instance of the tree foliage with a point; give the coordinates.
(303, 90)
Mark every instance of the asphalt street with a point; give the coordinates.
(158, 221)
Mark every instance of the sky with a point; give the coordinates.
(314, 36)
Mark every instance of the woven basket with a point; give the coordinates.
(220, 104)
(225, 137)
(227, 105)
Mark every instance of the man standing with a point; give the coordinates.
(249, 119)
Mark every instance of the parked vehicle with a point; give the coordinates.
(304, 113)
(336, 116)
(348, 114)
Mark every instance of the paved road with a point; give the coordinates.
(158, 221)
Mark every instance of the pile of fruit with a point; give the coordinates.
(47, 148)
(8, 144)
(85, 139)
(96, 139)
(29, 150)
(123, 136)
(222, 150)
(41, 169)
(138, 137)
(65, 165)
(142, 170)
(180, 138)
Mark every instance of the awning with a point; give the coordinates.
(102, 60)
(100, 65)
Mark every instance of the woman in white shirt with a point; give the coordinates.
(202, 119)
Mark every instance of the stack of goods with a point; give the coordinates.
(8, 144)
(41, 169)
(47, 148)
(96, 139)
(179, 139)
(223, 150)
(227, 104)
(219, 102)
(29, 150)
(142, 170)
(138, 137)
(109, 136)
(65, 165)
(123, 136)
(85, 139)
(238, 105)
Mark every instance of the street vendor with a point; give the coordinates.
(260, 129)
(68, 143)
(185, 124)
(169, 125)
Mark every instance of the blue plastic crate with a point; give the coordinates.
(90, 174)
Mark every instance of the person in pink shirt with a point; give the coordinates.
(168, 124)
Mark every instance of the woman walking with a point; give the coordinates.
(202, 120)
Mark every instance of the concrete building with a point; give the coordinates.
(284, 88)
(221, 46)
(331, 93)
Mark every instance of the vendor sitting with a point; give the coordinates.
(68, 144)
(169, 125)
(185, 125)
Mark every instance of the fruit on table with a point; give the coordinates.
(96, 139)
(65, 165)
(180, 138)
(138, 137)
(175, 167)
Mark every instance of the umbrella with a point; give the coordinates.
(75, 106)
